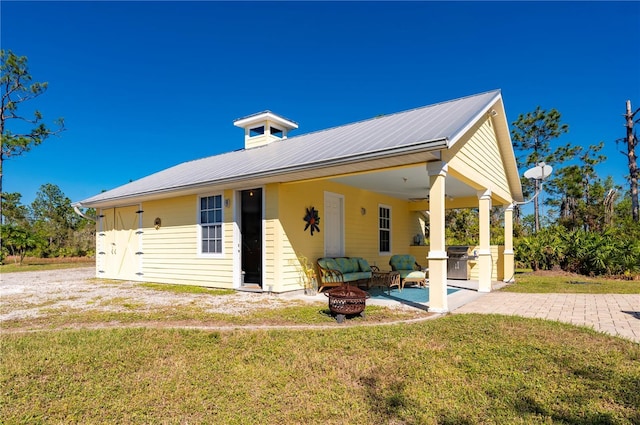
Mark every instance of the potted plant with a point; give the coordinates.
(308, 276)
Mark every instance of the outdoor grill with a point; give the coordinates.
(346, 300)
(457, 262)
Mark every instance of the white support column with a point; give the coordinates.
(484, 253)
(437, 249)
(509, 263)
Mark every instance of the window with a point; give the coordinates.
(211, 224)
(384, 229)
(275, 132)
(256, 131)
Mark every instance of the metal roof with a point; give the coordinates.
(430, 127)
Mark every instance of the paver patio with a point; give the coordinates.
(615, 314)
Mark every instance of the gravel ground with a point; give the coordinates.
(26, 295)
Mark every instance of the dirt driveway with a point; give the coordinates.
(27, 295)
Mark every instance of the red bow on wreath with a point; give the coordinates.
(312, 220)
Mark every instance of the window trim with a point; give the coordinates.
(389, 229)
(279, 130)
(264, 130)
(200, 226)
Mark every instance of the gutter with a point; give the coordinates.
(83, 215)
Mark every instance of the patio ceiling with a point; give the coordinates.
(408, 183)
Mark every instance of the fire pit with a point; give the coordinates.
(346, 300)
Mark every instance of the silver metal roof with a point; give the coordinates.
(430, 127)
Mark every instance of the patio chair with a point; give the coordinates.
(410, 271)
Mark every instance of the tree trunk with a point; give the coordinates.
(633, 163)
(1, 164)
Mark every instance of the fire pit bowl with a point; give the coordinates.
(346, 300)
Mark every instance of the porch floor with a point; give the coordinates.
(459, 292)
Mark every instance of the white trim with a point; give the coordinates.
(237, 238)
(100, 244)
(265, 116)
(263, 242)
(437, 255)
(342, 223)
(283, 132)
(140, 233)
(199, 252)
(437, 168)
(264, 131)
(491, 104)
(437, 310)
(237, 234)
(390, 229)
(484, 194)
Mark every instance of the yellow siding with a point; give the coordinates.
(287, 219)
(497, 264)
(361, 231)
(171, 252)
(497, 260)
(479, 161)
(273, 241)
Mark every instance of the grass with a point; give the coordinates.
(39, 264)
(564, 283)
(460, 369)
(187, 289)
(296, 314)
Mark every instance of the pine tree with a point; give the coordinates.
(17, 88)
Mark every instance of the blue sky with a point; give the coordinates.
(147, 85)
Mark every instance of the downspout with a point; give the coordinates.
(83, 215)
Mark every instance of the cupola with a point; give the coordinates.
(263, 128)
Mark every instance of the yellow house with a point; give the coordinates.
(235, 220)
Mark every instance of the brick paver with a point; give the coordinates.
(615, 314)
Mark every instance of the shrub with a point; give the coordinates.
(614, 252)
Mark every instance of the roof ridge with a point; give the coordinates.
(395, 113)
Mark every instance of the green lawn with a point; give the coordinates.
(564, 283)
(41, 264)
(460, 369)
(293, 314)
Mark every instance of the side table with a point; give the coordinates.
(385, 279)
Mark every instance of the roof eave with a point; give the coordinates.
(418, 147)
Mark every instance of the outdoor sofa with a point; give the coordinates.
(337, 271)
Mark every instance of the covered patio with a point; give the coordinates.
(459, 292)
(474, 168)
